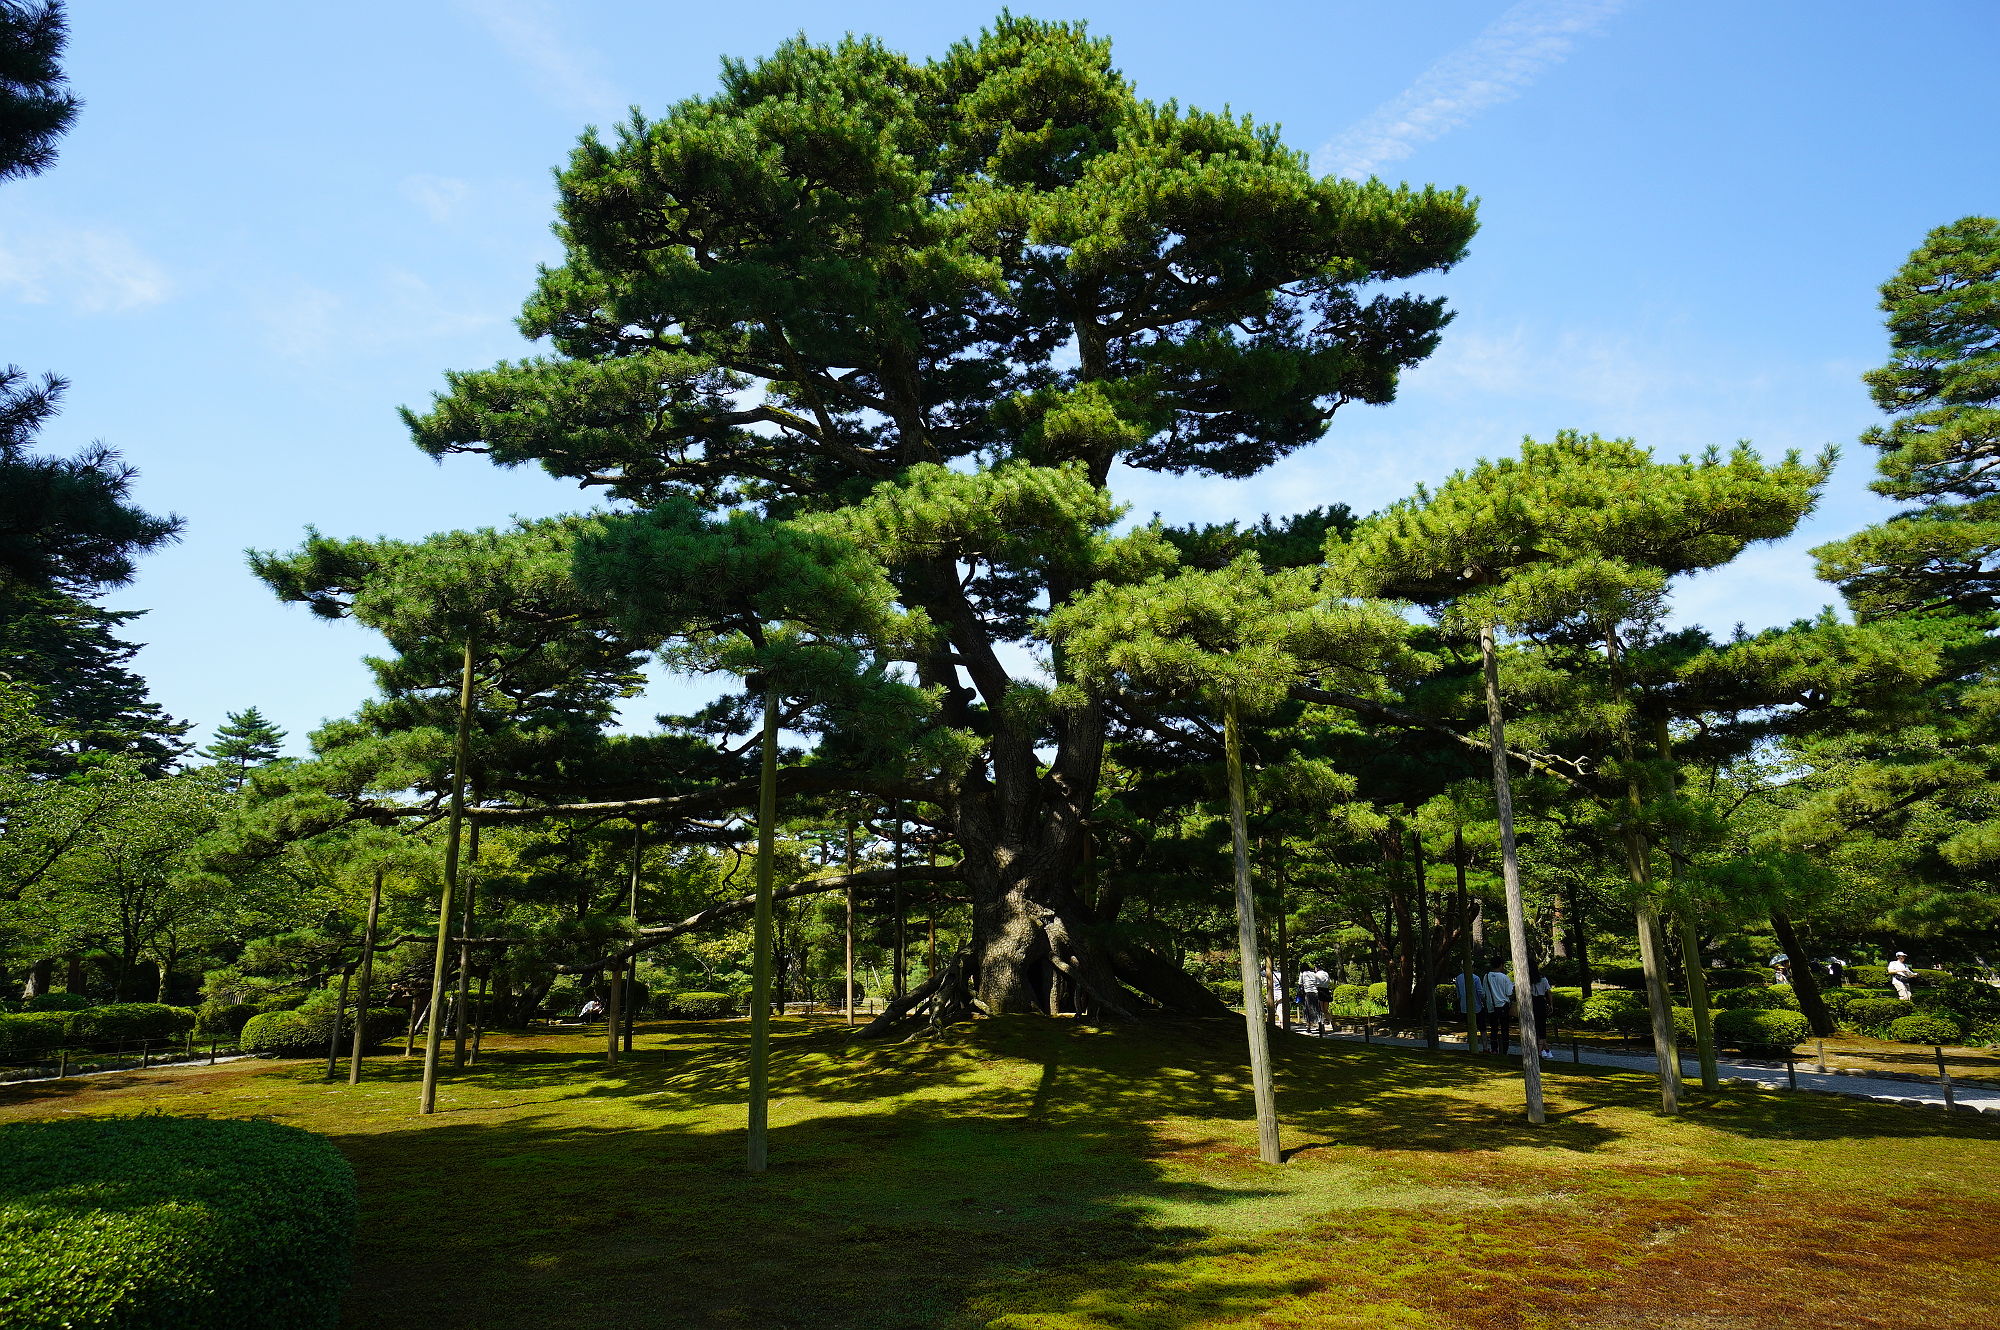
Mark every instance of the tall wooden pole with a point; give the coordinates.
(1468, 1003)
(461, 749)
(1510, 871)
(849, 989)
(632, 917)
(760, 964)
(461, 1008)
(1261, 1086)
(367, 977)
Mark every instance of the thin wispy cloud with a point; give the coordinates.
(88, 269)
(1494, 67)
(532, 32)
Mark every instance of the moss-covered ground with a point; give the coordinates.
(1044, 1174)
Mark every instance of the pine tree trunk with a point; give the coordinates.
(367, 977)
(462, 1005)
(760, 964)
(433, 1035)
(1263, 1092)
(1704, 1026)
(1804, 983)
(1468, 1007)
(848, 991)
(339, 1014)
(1510, 871)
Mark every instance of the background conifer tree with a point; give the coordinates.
(245, 739)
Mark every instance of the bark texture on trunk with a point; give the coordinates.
(1804, 983)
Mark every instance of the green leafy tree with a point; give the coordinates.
(937, 303)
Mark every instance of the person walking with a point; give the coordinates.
(1312, 997)
(1539, 989)
(1903, 977)
(1499, 999)
(1472, 1003)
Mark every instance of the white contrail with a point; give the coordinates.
(1493, 67)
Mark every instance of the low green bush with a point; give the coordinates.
(57, 1002)
(1379, 995)
(1924, 1027)
(1621, 976)
(1349, 995)
(1969, 1000)
(1758, 1030)
(1873, 1014)
(1761, 997)
(1720, 979)
(305, 1032)
(162, 1223)
(1868, 976)
(129, 1022)
(1565, 1005)
(1836, 999)
(712, 1006)
(1684, 1023)
(1615, 1009)
(1229, 990)
(221, 1020)
(29, 1034)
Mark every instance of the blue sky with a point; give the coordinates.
(274, 224)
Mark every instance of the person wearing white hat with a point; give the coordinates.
(1902, 976)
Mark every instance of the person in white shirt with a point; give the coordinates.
(1499, 1000)
(1314, 986)
(1902, 976)
(1539, 989)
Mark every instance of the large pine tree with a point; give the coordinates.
(933, 305)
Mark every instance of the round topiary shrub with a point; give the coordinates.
(1616, 1009)
(1873, 1014)
(1684, 1023)
(1924, 1027)
(127, 1022)
(1761, 997)
(164, 1223)
(709, 1006)
(1379, 994)
(1565, 1005)
(222, 1020)
(1836, 999)
(281, 1033)
(56, 1002)
(1868, 976)
(1719, 979)
(1758, 1030)
(1349, 995)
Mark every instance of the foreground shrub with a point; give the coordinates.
(707, 1006)
(1921, 1027)
(29, 1034)
(1755, 1030)
(1616, 1009)
(1969, 1000)
(122, 1021)
(1872, 1014)
(161, 1223)
(1762, 997)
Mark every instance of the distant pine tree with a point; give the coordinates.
(245, 739)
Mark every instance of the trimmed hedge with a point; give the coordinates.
(1565, 1005)
(1379, 995)
(1873, 1013)
(57, 1002)
(222, 1020)
(1719, 979)
(1621, 976)
(162, 1223)
(1923, 1027)
(1349, 995)
(1757, 1030)
(30, 1034)
(130, 1020)
(305, 1033)
(1971, 1001)
(713, 1006)
(1616, 1009)
(1871, 976)
(1762, 997)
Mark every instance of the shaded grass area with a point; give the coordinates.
(1036, 1174)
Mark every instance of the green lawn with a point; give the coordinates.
(1045, 1174)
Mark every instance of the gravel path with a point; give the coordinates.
(1969, 1096)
